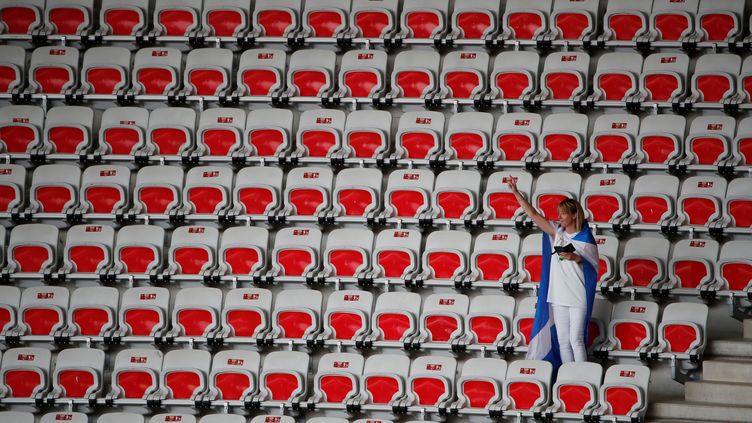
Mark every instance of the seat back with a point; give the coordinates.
(261, 71)
(234, 374)
(196, 311)
(431, 380)
(396, 252)
(297, 313)
(105, 188)
(247, 311)
(297, 251)
(143, 311)
(408, 192)
(396, 315)
(208, 71)
(21, 128)
(106, 70)
(276, 18)
(419, 134)
(53, 69)
(185, 373)
(633, 325)
(157, 70)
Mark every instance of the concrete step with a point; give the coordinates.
(724, 370)
(735, 347)
(747, 324)
(728, 393)
(697, 411)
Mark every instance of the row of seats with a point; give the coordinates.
(342, 378)
(396, 320)
(76, 417)
(660, 77)
(313, 194)
(446, 255)
(667, 20)
(421, 137)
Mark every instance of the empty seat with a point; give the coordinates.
(348, 315)
(740, 153)
(21, 16)
(297, 314)
(257, 190)
(243, 251)
(468, 135)
(737, 203)
(720, 21)
(32, 248)
(16, 417)
(633, 325)
(419, 135)
(193, 250)
(494, 256)
(144, 311)
(515, 74)
(43, 310)
(692, 263)
(613, 138)
(604, 198)
(348, 252)
(431, 381)
(297, 252)
(732, 268)
(565, 75)
(563, 137)
(261, 72)
(529, 261)
(625, 390)
(208, 189)
(53, 70)
(664, 77)
(617, 75)
(208, 71)
(185, 374)
(653, 199)
(79, 373)
(156, 70)
(325, 18)
(68, 129)
(122, 130)
(319, 132)
(672, 21)
(311, 73)
(709, 140)
(626, 20)
(21, 128)
(308, 191)
(226, 18)
(25, 372)
(68, 416)
(171, 131)
(12, 188)
(362, 73)
(576, 388)
(337, 379)
(415, 73)
(12, 67)
(246, 312)
(367, 134)
(357, 192)
(446, 254)
(477, 20)
(517, 136)
(408, 193)
(220, 132)
(276, 18)
(177, 18)
(234, 375)
(384, 378)
(395, 316)
(106, 70)
(268, 132)
(10, 299)
(574, 20)
(525, 21)
(88, 249)
(93, 310)
(373, 20)
(396, 253)
(464, 74)
(455, 194)
(601, 315)
(157, 190)
(136, 373)
(105, 189)
(424, 19)
(284, 375)
(660, 139)
(69, 18)
(714, 78)
(123, 18)
(195, 312)
(527, 385)
(443, 317)
(700, 200)
(489, 319)
(138, 249)
(683, 328)
(644, 261)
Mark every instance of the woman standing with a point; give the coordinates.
(567, 285)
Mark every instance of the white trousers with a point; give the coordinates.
(570, 329)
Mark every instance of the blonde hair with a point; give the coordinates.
(573, 207)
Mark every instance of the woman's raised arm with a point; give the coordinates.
(538, 218)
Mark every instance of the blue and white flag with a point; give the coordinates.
(543, 343)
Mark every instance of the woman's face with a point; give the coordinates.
(565, 218)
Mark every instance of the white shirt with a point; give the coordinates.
(566, 280)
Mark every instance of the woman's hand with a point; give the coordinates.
(570, 256)
(512, 184)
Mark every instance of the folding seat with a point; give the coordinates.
(171, 131)
(243, 251)
(431, 381)
(384, 378)
(515, 74)
(297, 314)
(105, 189)
(246, 312)
(16, 417)
(605, 197)
(664, 77)
(617, 75)
(624, 391)
(700, 200)
(88, 249)
(362, 73)
(745, 81)
(714, 78)
(123, 17)
(338, 377)
(709, 140)
(653, 199)
(527, 385)
(68, 416)
(446, 255)
(524, 20)
(608, 247)
(692, 263)
(348, 253)
(177, 17)
(269, 418)
(371, 19)
(10, 299)
(156, 70)
(522, 326)
(220, 132)
(222, 418)
(143, 311)
(396, 253)
(93, 311)
(319, 133)
(626, 20)
(79, 373)
(737, 203)
(357, 192)
(480, 382)
(464, 74)
(284, 375)
(633, 326)
(741, 146)
(195, 312)
(443, 318)
(25, 372)
(311, 73)
(415, 74)
(660, 139)
(325, 18)
(576, 388)
(193, 250)
(468, 136)
(308, 191)
(733, 269)
(208, 189)
(574, 20)
(136, 374)
(552, 188)
(208, 71)
(475, 21)
(395, 317)
(12, 67)
(69, 18)
(408, 193)
(12, 188)
(613, 138)
(367, 134)
(516, 136)
(53, 69)
(424, 19)
(43, 310)
(599, 319)
(565, 75)
(157, 190)
(268, 133)
(276, 18)
(21, 16)
(122, 130)
(672, 21)
(297, 252)
(455, 194)
(226, 18)
(563, 137)
(138, 249)
(494, 256)
(720, 20)
(644, 261)
(347, 315)
(68, 130)
(21, 128)
(184, 374)
(120, 418)
(172, 417)
(419, 135)
(257, 190)
(32, 248)
(529, 261)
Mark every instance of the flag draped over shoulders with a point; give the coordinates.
(543, 343)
